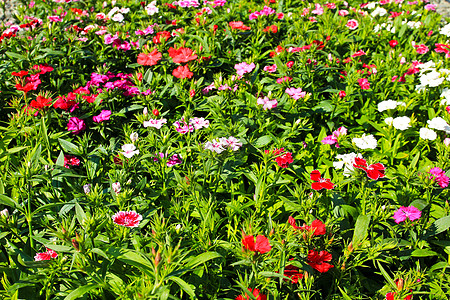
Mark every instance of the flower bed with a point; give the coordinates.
(225, 150)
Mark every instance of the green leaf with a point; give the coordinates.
(81, 215)
(386, 275)
(68, 146)
(273, 274)
(202, 258)
(15, 56)
(80, 291)
(130, 108)
(361, 228)
(423, 253)
(5, 200)
(133, 258)
(263, 141)
(344, 295)
(183, 284)
(439, 226)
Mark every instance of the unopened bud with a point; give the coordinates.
(4, 212)
(350, 247)
(75, 244)
(145, 111)
(153, 251)
(399, 283)
(157, 258)
(134, 137)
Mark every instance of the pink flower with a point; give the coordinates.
(182, 127)
(439, 176)
(129, 150)
(295, 93)
(447, 142)
(404, 213)
(284, 79)
(329, 140)
(271, 69)
(342, 94)
(267, 103)
(318, 10)
(352, 24)
(103, 116)
(343, 12)
(76, 125)
(422, 49)
(244, 68)
(127, 218)
(364, 83)
(359, 53)
(45, 255)
(430, 7)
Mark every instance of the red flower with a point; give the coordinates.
(317, 260)
(238, 25)
(262, 244)
(70, 160)
(393, 43)
(374, 171)
(20, 74)
(127, 218)
(182, 72)
(255, 293)
(26, 88)
(44, 68)
(150, 59)
(182, 55)
(321, 183)
(65, 103)
(317, 227)
(342, 94)
(293, 273)
(271, 28)
(46, 255)
(284, 159)
(41, 102)
(161, 36)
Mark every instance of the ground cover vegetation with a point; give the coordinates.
(225, 150)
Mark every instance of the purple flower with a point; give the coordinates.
(404, 213)
(103, 116)
(76, 125)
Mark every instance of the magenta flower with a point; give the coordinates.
(174, 160)
(404, 213)
(439, 176)
(103, 116)
(76, 125)
(45, 255)
(127, 218)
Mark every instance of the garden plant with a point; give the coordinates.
(225, 149)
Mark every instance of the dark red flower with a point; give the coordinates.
(261, 245)
(149, 59)
(318, 260)
(70, 160)
(182, 72)
(393, 43)
(321, 183)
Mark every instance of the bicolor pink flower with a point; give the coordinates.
(318, 10)
(244, 68)
(103, 116)
(404, 213)
(156, 123)
(271, 69)
(129, 150)
(182, 127)
(352, 24)
(199, 123)
(421, 49)
(76, 125)
(364, 83)
(48, 255)
(127, 218)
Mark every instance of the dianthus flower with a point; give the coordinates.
(127, 218)
(318, 260)
(103, 116)
(244, 68)
(76, 125)
(439, 176)
(255, 293)
(284, 159)
(317, 227)
(404, 213)
(261, 245)
(49, 254)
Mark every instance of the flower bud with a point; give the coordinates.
(134, 137)
(75, 244)
(5, 213)
(145, 111)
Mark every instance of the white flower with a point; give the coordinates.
(129, 150)
(439, 124)
(215, 146)
(87, 188)
(4, 213)
(427, 134)
(445, 30)
(445, 94)
(371, 5)
(134, 137)
(124, 10)
(113, 11)
(401, 123)
(379, 11)
(388, 104)
(365, 142)
(346, 161)
(431, 79)
(116, 187)
(389, 121)
(117, 17)
(231, 142)
(151, 8)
